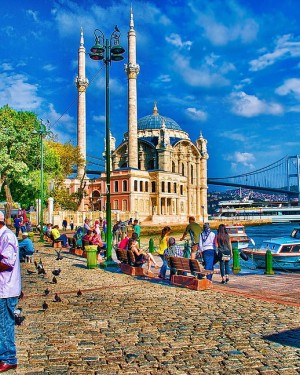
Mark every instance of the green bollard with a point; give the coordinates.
(151, 246)
(236, 261)
(269, 263)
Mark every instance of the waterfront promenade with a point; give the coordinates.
(125, 325)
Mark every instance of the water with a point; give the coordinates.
(260, 233)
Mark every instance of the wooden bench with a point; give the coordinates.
(130, 265)
(197, 278)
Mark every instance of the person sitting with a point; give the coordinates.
(123, 244)
(56, 236)
(25, 247)
(47, 232)
(86, 226)
(28, 227)
(141, 256)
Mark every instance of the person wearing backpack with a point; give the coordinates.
(207, 248)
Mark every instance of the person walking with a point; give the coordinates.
(163, 245)
(223, 244)
(71, 224)
(207, 248)
(194, 230)
(10, 289)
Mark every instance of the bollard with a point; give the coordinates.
(151, 246)
(269, 263)
(236, 261)
(91, 256)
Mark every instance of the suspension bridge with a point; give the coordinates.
(283, 176)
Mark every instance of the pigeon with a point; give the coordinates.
(46, 292)
(30, 272)
(59, 257)
(79, 293)
(56, 272)
(40, 268)
(45, 305)
(54, 280)
(19, 320)
(57, 298)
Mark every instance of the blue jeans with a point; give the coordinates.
(224, 267)
(64, 239)
(208, 257)
(164, 267)
(7, 330)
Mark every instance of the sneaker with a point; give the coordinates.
(223, 282)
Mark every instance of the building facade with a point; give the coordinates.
(157, 173)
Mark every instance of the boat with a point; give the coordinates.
(245, 209)
(238, 236)
(285, 252)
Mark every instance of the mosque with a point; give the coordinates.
(158, 175)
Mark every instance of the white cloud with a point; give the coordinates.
(246, 105)
(100, 118)
(164, 78)
(196, 114)
(33, 14)
(290, 86)
(245, 159)
(286, 47)
(18, 93)
(176, 40)
(6, 67)
(234, 136)
(49, 67)
(237, 24)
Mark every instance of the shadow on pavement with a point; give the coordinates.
(289, 338)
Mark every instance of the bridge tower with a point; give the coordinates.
(293, 174)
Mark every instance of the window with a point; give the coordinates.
(173, 167)
(296, 249)
(124, 205)
(146, 186)
(181, 189)
(175, 188)
(163, 187)
(153, 187)
(286, 249)
(135, 187)
(192, 174)
(116, 186)
(116, 204)
(141, 186)
(182, 169)
(169, 187)
(125, 185)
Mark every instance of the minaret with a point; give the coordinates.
(132, 69)
(81, 83)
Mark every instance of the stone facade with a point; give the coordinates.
(157, 173)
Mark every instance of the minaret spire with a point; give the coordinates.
(132, 69)
(81, 83)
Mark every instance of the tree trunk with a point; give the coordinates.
(9, 203)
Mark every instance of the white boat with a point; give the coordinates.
(285, 252)
(238, 236)
(244, 209)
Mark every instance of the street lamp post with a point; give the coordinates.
(41, 131)
(113, 52)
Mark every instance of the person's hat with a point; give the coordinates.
(1, 216)
(25, 234)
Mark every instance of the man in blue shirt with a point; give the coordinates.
(25, 246)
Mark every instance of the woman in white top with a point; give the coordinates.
(207, 248)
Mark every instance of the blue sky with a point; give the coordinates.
(227, 68)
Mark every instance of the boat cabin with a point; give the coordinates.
(281, 245)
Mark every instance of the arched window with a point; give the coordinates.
(124, 205)
(116, 186)
(175, 188)
(163, 187)
(124, 185)
(141, 186)
(146, 186)
(169, 187)
(182, 169)
(116, 204)
(135, 185)
(173, 167)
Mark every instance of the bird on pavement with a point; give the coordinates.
(46, 292)
(59, 257)
(57, 298)
(79, 293)
(56, 272)
(54, 280)
(45, 305)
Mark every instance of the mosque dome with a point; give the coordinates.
(156, 121)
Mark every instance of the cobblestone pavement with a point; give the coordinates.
(125, 325)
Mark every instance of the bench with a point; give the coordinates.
(55, 243)
(197, 278)
(129, 265)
